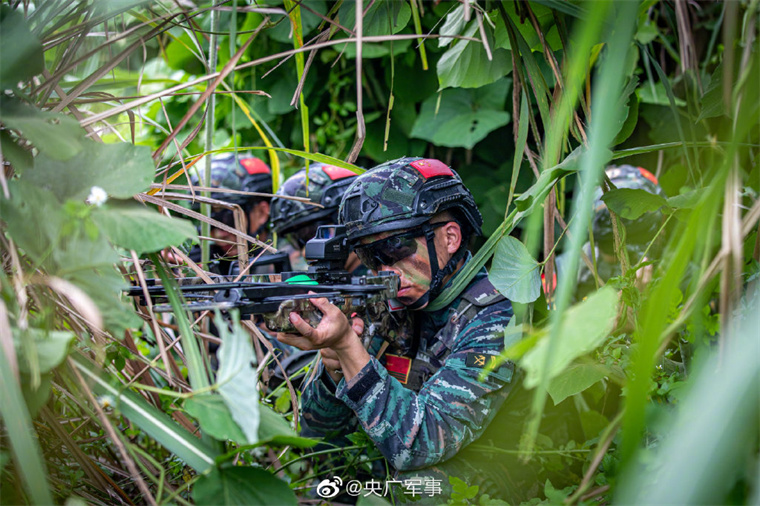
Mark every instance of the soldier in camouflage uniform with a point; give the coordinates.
(414, 217)
(638, 233)
(244, 173)
(297, 221)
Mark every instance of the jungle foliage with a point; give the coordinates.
(106, 104)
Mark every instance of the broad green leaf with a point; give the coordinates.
(215, 418)
(573, 380)
(464, 117)
(32, 205)
(452, 26)
(382, 18)
(631, 112)
(242, 486)
(142, 229)
(21, 435)
(657, 95)
(122, 170)
(237, 378)
(274, 429)
(376, 49)
(20, 51)
(687, 200)
(154, 422)
(647, 32)
(514, 272)
(51, 347)
(712, 103)
(20, 158)
(631, 203)
(56, 135)
(584, 327)
(466, 64)
(547, 179)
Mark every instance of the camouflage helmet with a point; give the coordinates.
(249, 174)
(406, 193)
(639, 231)
(326, 184)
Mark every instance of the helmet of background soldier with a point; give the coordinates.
(405, 194)
(298, 221)
(248, 174)
(639, 232)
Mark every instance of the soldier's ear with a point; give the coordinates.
(452, 234)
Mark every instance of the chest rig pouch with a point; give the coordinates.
(435, 348)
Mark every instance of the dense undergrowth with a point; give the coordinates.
(105, 105)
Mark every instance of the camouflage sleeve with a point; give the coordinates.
(322, 413)
(415, 430)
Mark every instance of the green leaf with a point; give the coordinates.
(464, 117)
(37, 398)
(631, 203)
(142, 229)
(466, 64)
(52, 347)
(282, 32)
(122, 170)
(514, 272)
(30, 204)
(237, 378)
(712, 101)
(20, 51)
(275, 429)
(242, 486)
(20, 433)
(20, 158)
(215, 418)
(382, 18)
(631, 119)
(584, 327)
(154, 422)
(657, 95)
(573, 380)
(58, 136)
(453, 25)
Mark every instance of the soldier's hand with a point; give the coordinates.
(334, 330)
(332, 364)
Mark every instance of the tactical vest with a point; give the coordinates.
(429, 358)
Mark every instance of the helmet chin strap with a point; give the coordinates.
(436, 275)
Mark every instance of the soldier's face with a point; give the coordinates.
(413, 270)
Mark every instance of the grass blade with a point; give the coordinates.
(154, 422)
(18, 424)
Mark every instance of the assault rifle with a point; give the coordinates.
(370, 297)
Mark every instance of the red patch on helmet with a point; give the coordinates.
(255, 166)
(336, 172)
(431, 167)
(648, 174)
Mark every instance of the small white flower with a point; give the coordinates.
(97, 197)
(105, 401)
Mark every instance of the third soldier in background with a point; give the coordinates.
(297, 222)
